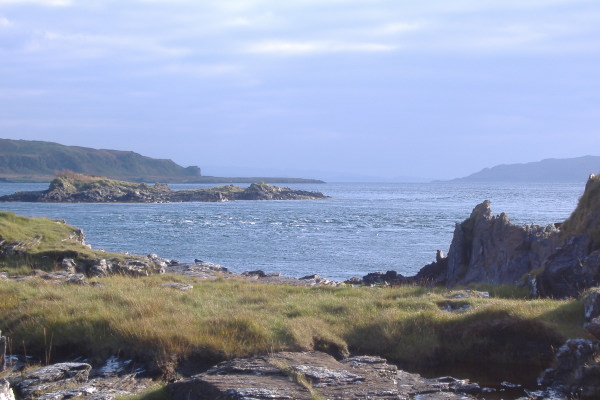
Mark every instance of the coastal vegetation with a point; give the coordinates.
(221, 319)
(37, 161)
(22, 160)
(225, 318)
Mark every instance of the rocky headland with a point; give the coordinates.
(560, 260)
(79, 188)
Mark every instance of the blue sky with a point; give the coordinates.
(328, 89)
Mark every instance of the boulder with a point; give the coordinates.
(51, 378)
(6, 392)
(576, 372)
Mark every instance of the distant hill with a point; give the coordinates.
(549, 170)
(37, 160)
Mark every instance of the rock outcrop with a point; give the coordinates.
(310, 375)
(487, 248)
(88, 189)
(559, 260)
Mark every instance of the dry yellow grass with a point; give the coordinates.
(227, 318)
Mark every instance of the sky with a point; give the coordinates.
(328, 89)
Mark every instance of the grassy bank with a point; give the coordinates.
(227, 318)
(27, 244)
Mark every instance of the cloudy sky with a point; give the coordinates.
(327, 89)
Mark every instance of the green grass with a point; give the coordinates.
(42, 244)
(223, 319)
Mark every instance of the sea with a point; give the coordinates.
(362, 228)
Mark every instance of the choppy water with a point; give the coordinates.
(365, 227)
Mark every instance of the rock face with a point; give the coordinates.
(102, 190)
(576, 373)
(491, 249)
(487, 248)
(310, 375)
(555, 262)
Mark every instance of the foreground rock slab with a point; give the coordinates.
(308, 375)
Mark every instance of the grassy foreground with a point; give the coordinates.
(216, 320)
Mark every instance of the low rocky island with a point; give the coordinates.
(79, 188)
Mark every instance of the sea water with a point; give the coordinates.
(364, 227)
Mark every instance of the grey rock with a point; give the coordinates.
(491, 249)
(51, 378)
(178, 286)
(576, 371)
(277, 377)
(591, 304)
(110, 191)
(2, 352)
(6, 392)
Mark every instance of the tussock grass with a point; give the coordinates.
(223, 319)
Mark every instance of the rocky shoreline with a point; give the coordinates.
(557, 261)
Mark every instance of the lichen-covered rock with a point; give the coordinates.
(52, 377)
(309, 375)
(292, 376)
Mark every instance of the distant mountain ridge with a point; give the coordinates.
(549, 170)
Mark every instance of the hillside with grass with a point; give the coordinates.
(22, 160)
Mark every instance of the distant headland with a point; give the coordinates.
(545, 171)
(38, 161)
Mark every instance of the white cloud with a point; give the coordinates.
(4, 22)
(283, 47)
(52, 3)
(96, 46)
(200, 70)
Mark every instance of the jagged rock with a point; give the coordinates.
(6, 392)
(554, 263)
(576, 371)
(571, 270)
(491, 249)
(52, 378)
